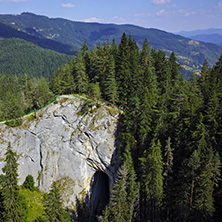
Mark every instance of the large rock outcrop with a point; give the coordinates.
(67, 143)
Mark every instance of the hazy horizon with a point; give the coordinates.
(168, 15)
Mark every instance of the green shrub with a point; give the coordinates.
(14, 122)
(29, 183)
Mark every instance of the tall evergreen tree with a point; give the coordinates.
(175, 69)
(204, 74)
(186, 188)
(123, 73)
(53, 205)
(13, 211)
(96, 64)
(147, 75)
(168, 180)
(163, 72)
(124, 196)
(55, 84)
(116, 210)
(80, 76)
(151, 183)
(134, 67)
(114, 49)
(67, 81)
(42, 93)
(110, 85)
(86, 57)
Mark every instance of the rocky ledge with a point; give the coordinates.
(68, 142)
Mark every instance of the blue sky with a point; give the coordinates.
(168, 15)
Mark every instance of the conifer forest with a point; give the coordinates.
(170, 132)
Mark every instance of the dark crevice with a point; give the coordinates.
(99, 196)
(40, 151)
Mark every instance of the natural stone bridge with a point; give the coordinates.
(76, 148)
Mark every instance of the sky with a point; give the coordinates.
(168, 15)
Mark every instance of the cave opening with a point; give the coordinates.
(99, 197)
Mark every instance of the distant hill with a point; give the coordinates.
(18, 56)
(205, 35)
(199, 32)
(209, 38)
(7, 31)
(191, 54)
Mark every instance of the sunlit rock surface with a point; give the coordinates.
(67, 142)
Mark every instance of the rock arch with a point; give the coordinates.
(100, 192)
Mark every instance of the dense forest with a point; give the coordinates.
(18, 56)
(170, 129)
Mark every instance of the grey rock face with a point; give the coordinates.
(65, 145)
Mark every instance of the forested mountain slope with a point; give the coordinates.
(18, 57)
(9, 32)
(168, 135)
(191, 54)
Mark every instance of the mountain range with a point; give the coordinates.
(205, 35)
(65, 36)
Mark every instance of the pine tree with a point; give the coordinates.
(163, 72)
(117, 207)
(195, 96)
(185, 189)
(29, 183)
(123, 73)
(107, 68)
(67, 81)
(26, 91)
(132, 187)
(42, 93)
(209, 172)
(124, 196)
(204, 74)
(63, 81)
(145, 117)
(80, 76)
(84, 49)
(53, 204)
(55, 84)
(12, 207)
(114, 49)
(175, 69)
(96, 64)
(133, 86)
(110, 84)
(151, 183)
(168, 179)
(148, 76)
(95, 90)
(203, 205)
(86, 57)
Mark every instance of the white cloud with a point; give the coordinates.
(68, 5)
(92, 19)
(161, 12)
(15, 1)
(219, 5)
(160, 2)
(119, 19)
(143, 15)
(114, 19)
(182, 12)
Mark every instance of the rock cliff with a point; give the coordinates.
(67, 142)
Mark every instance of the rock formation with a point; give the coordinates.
(68, 142)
